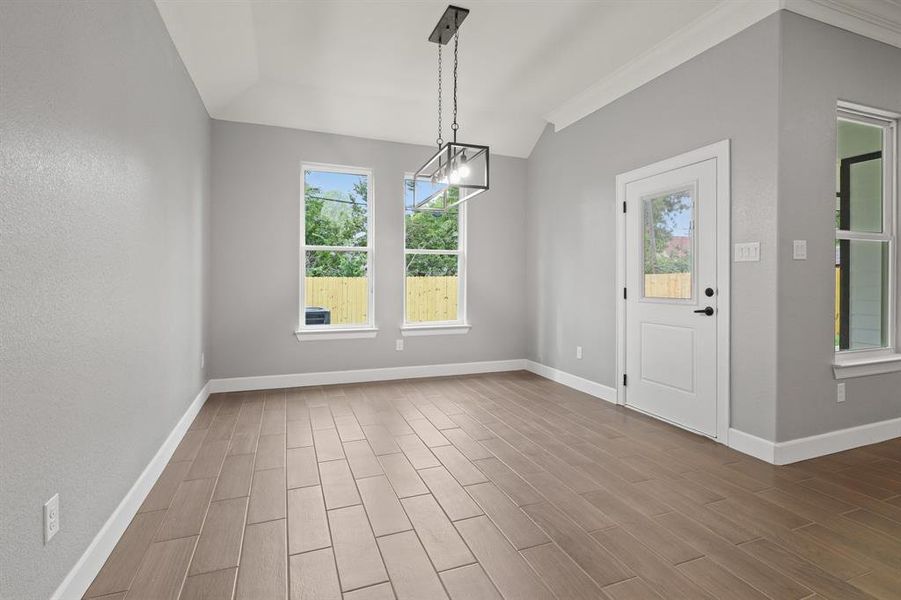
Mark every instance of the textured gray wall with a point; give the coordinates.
(255, 263)
(821, 65)
(104, 197)
(730, 91)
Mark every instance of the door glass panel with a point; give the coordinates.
(668, 232)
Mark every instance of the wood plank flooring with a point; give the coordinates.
(496, 486)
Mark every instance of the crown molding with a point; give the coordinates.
(876, 19)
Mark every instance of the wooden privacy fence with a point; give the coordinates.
(668, 285)
(428, 298)
(345, 297)
(431, 299)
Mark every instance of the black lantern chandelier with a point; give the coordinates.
(457, 172)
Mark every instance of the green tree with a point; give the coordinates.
(661, 220)
(432, 230)
(335, 220)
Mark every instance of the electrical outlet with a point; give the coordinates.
(579, 352)
(51, 518)
(799, 249)
(399, 345)
(840, 395)
(202, 360)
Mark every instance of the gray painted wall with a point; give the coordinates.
(821, 65)
(255, 240)
(730, 91)
(106, 221)
(104, 197)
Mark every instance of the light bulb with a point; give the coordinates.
(463, 170)
(455, 176)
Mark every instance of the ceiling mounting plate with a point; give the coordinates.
(448, 24)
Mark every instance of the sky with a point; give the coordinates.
(340, 182)
(681, 222)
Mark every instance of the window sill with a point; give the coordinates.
(858, 365)
(335, 333)
(414, 330)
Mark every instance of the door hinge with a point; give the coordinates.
(625, 380)
(624, 206)
(625, 293)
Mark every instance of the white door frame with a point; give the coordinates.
(721, 152)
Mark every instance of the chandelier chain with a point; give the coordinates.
(455, 126)
(439, 141)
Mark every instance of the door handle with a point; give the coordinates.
(706, 311)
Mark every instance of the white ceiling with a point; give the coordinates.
(365, 67)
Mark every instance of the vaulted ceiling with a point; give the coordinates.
(365, 68)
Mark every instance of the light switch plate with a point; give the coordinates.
(799, 250)
(747, 252)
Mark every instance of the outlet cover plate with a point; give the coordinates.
(51, 518)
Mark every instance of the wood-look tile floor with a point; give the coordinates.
(496, 486)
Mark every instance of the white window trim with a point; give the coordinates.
(436, 328)
(306, 332)
(422, 328)
(861, 363)
(335, 333)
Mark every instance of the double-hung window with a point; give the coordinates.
(865, 244)
(434, 268)
(336, 252)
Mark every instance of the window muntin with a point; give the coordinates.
(434, 264)
(336, 255)
(865, 232)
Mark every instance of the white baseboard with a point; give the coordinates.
(267, 382)
(752, 445)
(574, 381)
(837, 441)
(784, 453)
(85, 570)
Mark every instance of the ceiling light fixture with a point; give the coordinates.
(457, 172)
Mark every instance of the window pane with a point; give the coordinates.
(859, 177)
(430, 230)
(668, 245)
(336, 288)
(862, 294)
(336, 208)
(432, 287)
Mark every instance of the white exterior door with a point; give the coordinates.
(671, 295)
